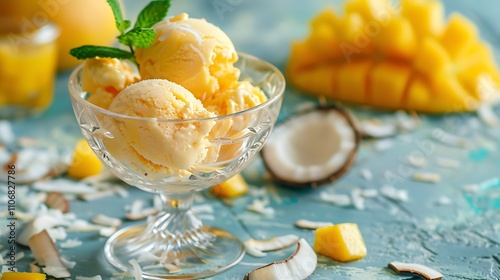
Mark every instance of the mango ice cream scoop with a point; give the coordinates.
(154, 137)
(191, 52)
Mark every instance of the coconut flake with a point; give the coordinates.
(450, 139)
(257, 247)
(57, 233)
(426, 177)
(7, 136)
(394, 194)
(375, 128)
(56, 200)
(383, 144)
(357, 199)
(260, 206)
(472, 188)
(137, 271)
(443, 200)
(337, 199)
(37, 225)
(487, 115)
(46, 254)
(67, 263)
(104, 220)
(366, 174)
(107, 231)
(406, 122)
(421, 270)
(142, 214)
(448, 163)
(369, 193)
(306, 224)
(83, 226)
(71, 243)
(97, 277)
(96, 195)
(417, 161)
(63, 186)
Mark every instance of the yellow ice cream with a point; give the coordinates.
(155, 144)
(238, 97)
(191, 52)
(104, 78)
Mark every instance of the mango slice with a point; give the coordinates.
(341, 242)
(85, 162)
(22, 276)
(410, 58)
(234, 187)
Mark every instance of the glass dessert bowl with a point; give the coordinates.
(210, 151)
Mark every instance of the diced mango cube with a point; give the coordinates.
(426, 16)
(22, 276)
(459, 35)
(419, 97)
(353, 81)
(302, 56)
(234, 187)
(325, 18)
(351, 28)
(320, 80)
(396, 39)
(85, 162)
(470, 77)
(431, 55)
(371, 10)
(342, 242)
(388, 84)
(450, 96)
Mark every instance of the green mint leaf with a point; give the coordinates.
(117, 12)
(138, 37)
(125, 25)
(154, 12)
(88, 51)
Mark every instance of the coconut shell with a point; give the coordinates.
(337, 174)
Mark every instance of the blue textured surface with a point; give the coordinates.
(461, 240)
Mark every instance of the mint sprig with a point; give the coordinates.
(142, 35)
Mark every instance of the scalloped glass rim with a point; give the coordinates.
(74, 91)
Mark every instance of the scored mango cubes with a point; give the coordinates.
(409, 57)
(341, 242)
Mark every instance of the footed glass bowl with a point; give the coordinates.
(175, 244)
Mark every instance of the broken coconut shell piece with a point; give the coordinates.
(312, 148)
(422, 270)
(300, 265)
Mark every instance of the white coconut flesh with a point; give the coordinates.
(310, 147)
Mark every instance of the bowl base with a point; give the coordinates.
(209, 251)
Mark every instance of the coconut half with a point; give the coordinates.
(312, 148)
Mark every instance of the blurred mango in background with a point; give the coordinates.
(35, 39)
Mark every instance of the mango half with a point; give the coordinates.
(407, 57)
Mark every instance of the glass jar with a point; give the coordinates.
(28, 60)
